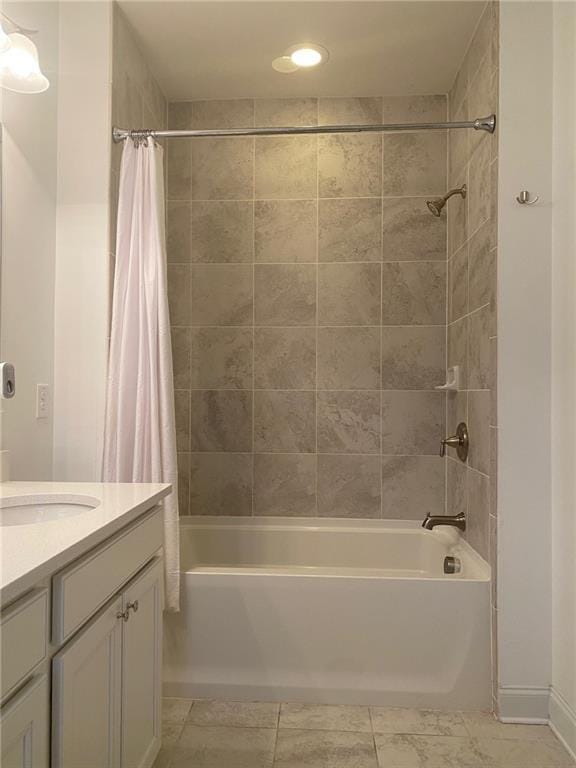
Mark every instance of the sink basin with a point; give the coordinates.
(42, 508)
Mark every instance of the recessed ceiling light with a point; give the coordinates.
(307, 54)
(302, 56)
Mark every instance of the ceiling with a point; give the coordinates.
(215, 50)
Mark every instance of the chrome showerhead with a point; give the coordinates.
(435, 206)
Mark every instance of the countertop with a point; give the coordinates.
(30, 553)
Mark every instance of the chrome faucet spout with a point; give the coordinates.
(457, 521)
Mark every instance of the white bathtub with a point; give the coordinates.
(330, 612)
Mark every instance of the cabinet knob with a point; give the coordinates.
(123, 615)
(133, 605)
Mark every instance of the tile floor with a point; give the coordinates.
(224, 734)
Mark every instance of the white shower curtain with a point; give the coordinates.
(140, 432)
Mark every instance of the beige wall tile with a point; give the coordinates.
(479, 349)
(179, 170)
(458, 349)
(182, 412)
(414, 109)
(348, 358)
(285, 112)
(458, 284)
(458, 146)
(285, 230)
(285, 294)
(479, 427)
(481, 44)
(410, 232)
(414, 163)
(456, 410)
(478, 519)
(221, 484)
(183, 460)
(494, 381)
(350, 165)
(349, 294)
(412, 422)
(350, 229)
(482, 268)
(286, 167)
(178, 231)
(284, 422)
(285, 484)
(221, 294)
(348, 422)
(348, 486)
(179, 293)
(180, 337)
(284, 358)
(457, 217)
(456, 487)
(180, 115)
(228, 113)
(414, 293)
(413, 358)
(355, 111)
(222, 169)
(221, 421)
(222, 231)
(482, 99)
(221, 358)
(412, 487)
(479, 187)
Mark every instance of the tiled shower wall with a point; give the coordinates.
(307, 286)
(472, 311)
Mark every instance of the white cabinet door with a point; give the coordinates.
(141, 668)
(24, 727)
(86, 695)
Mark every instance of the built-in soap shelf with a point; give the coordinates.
(452, 380)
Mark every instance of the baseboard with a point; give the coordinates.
(524, 705)
(563, 721)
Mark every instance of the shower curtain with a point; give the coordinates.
(140, 432)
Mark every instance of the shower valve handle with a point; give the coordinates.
(460, 441)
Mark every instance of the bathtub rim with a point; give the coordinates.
(481, 569)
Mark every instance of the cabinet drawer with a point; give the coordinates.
(79, 590)
(23, 634)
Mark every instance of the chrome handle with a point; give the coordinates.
(125, 615)
(133, 605)
(460, 441)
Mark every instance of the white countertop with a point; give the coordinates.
(30, 553)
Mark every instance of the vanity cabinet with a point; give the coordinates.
(106, 683)
(82, 659)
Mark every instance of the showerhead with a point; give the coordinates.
(435, 206)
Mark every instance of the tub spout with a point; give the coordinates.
(458, 521)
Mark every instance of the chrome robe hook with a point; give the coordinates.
(524, 198)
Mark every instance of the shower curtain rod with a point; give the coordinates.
(487, 124)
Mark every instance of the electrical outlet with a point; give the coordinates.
(42, 401)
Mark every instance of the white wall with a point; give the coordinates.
(82, 245)
(28, 229)
(563, 697)
(524, 360)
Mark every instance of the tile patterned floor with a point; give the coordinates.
(224, 734)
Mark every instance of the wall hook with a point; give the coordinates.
(524, 198)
